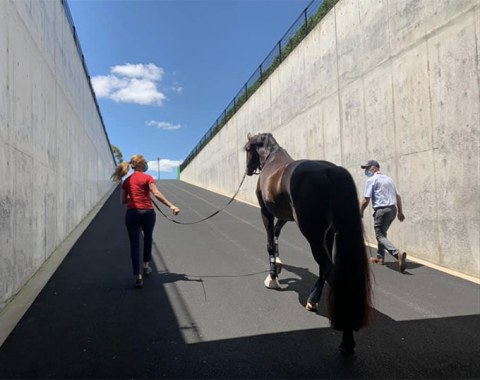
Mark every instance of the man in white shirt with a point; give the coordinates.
(385, 201)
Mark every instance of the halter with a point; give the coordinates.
(259, 168)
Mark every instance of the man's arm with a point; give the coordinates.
(363, 205)
(400, 215)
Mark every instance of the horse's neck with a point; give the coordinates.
(279, 158)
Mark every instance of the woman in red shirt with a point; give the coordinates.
(140, 213)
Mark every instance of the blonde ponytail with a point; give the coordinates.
(120, 171)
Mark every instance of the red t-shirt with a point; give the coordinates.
(137, 187)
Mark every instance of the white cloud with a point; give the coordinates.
(163, 125)
(131, 84)
(104, 86)
(140, 91)
(150, 71)
(166, 165)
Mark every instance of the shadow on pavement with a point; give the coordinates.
(89, 322)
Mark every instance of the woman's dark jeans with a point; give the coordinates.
(136, 220)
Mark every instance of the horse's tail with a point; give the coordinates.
(350, 295)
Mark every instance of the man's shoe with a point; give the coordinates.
(376, 260)
(147, 271)
(138, 282)
(402, 261)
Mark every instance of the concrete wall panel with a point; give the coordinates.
(418, 234)
(445, 12)
(324, 67)
(313, 54)
(4, 131)
(407, 23)
(57, 163)
(353, 136)
(287, 88)
(331, 129)
(7, 258)
(349, 41)
(374, 32)
(453, 62)
(379, 115)
(308, 134)
(396, 81)
(412, 101)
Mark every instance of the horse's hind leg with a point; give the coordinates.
(324, 256)
(316, 292)
(322, 252)
(278, 228)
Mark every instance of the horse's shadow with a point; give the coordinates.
(303, 286)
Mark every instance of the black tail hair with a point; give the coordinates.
(350, 294)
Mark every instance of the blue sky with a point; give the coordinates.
(164, 70)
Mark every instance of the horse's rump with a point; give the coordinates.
(324, 196)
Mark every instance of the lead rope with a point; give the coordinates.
(208, 217)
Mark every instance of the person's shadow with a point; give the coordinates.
(393, 265)
(303, 286)
(169, 277)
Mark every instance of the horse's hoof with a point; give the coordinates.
(347, 347)
(278, 265)
(271, 283)
(346, 350)
(311, 306)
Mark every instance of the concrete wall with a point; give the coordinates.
(396, 81)
(54, 153)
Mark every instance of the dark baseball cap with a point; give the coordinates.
(370, 163)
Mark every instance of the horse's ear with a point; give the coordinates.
(249, 136)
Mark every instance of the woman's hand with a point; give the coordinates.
(174, 209)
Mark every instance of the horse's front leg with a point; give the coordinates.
(278, 228)
(272, 247)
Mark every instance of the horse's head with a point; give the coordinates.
(258, 149)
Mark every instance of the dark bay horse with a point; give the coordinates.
(322, 199)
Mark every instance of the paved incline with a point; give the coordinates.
(204, 312)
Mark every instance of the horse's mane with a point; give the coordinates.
(263, 139)
(272, 143)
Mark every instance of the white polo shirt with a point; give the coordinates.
(381, 189)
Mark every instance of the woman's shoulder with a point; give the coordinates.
(147, 178)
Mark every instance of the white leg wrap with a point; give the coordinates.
(278, 264)
(271, 283)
